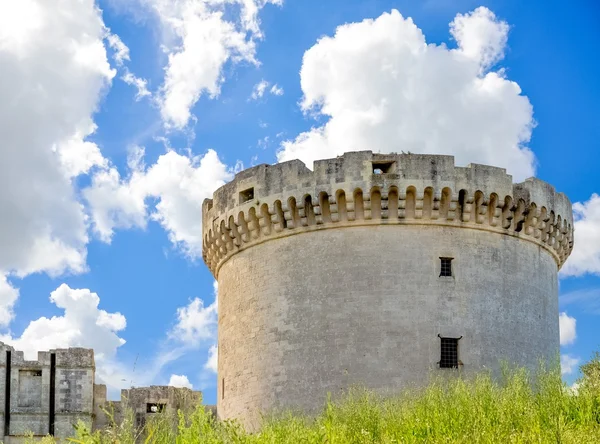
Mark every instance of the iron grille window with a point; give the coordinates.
(449, 353)
(446, 266)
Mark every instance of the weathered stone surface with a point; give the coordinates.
(331, 277)
(76, 396)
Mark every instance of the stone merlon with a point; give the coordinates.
(267, 201)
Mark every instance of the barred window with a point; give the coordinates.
(445, 266)
(449, 352)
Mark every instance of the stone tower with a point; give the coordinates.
(377, 270)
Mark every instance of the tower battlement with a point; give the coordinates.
(362, 188)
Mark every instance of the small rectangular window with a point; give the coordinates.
(449, 352)
(445, 266)
(246, 195)
(383, 167)
(155, 407)
(223, 388)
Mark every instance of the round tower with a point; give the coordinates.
(376, 270)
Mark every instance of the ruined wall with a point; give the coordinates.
(46, 396)
(331, 277)
(146, 402)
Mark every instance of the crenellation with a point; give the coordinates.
(420, 188)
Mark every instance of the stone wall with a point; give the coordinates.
(331, 277)
(146, 402)
(46, 396)
(50, 395)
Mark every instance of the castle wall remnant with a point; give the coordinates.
(376, 269)
(146, 402)
(50, 395)
(46, 396)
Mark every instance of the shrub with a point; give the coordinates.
(515, 409)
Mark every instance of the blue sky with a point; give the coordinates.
(120, 117)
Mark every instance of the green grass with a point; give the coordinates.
(516, 409)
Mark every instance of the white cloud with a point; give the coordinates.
(261, 87)
(480, 36)
(567, 326)
(195, 323)
(120, 56)
(8, 298)
(259, 90)
(140, 84)
(180, 381)
(179, 182)
(568, 364)
(263, 143)
(383, 88)
(114, 203)
(82, 324)
(121, 51)
(77, 155)
(54, 72)
(276, 90)
(213, 359)
(199, 41)
(585, 257)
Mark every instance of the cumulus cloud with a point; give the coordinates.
(77, 155)
(196, 326)
(568, 364)
(8, 298)
(383, 88)
(180, 381)
(213, 359)
(178, 182)
(54, 72)
(82, 324)
(585, 257)
(199, 40)
(480, 36)
(567, 325)
(195, 323)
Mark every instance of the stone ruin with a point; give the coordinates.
(50, 395)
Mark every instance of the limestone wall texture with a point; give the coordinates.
(331, 277)
(46, 396)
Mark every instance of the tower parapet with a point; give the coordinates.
(362, 188)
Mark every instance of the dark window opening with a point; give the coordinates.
(383, 167)
(155, 407)
(223, 388)
(445, 266)
(246, 195)
(449, 352)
